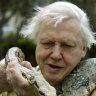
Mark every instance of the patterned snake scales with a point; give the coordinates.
(81, 82)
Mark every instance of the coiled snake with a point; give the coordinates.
(80, 82)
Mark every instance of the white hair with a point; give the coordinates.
(59, 11)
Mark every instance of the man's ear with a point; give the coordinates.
(84, 50)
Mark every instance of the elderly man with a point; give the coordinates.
(62, 35)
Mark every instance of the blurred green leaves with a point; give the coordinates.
(26, 45)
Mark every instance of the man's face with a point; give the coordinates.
(59, 49)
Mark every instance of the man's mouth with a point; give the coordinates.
(54, 68)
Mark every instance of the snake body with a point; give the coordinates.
(36, 81)
(80, 82)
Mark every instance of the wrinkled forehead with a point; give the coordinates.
(69, 23)
(66, 26)
(66, 30)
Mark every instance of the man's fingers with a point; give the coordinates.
(17, 78)
(13, 71)
(13, 64)
(26, 64)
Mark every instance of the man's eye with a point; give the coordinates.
(66, 45)
(47, 43)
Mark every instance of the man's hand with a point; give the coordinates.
(19, 84)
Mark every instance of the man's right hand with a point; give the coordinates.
(4, 85)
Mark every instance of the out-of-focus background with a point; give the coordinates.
(14, 14)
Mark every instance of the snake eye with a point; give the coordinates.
(17, 54)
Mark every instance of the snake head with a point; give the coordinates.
(14, 52)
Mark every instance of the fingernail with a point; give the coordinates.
(11, 70)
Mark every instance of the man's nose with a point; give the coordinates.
(56, 53)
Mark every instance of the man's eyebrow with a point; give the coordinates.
(69, 42)
(45, 39)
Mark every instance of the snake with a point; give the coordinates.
(35, 80)
(80, 82)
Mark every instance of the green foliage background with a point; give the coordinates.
(26, 45)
